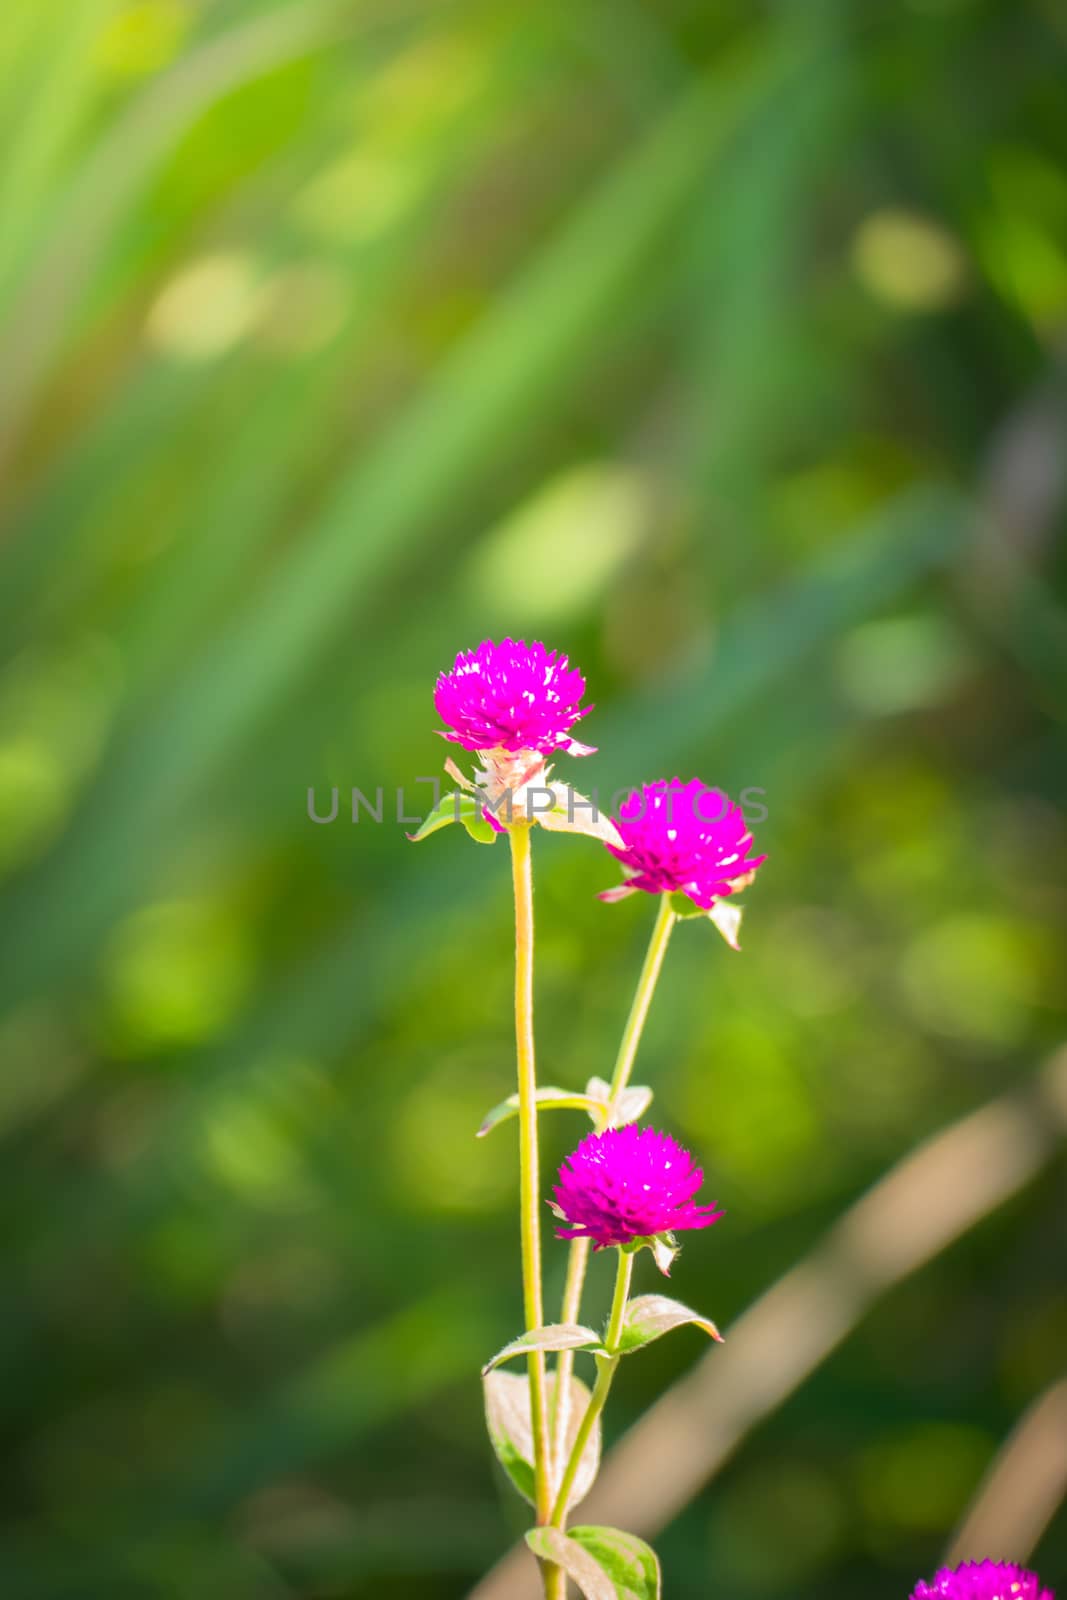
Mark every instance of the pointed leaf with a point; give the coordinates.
(507, 1415)
(456, 775)
(621, 891)
(650, 1316)
(446, 810)
(548, 1099)
(573, 813)
(631, 1564)
(664, 1250)
(726, 916)
(464, 808)
(552, 1544)
(631, 1104)
(556, 1336)
(477, 822)
(605, 1563)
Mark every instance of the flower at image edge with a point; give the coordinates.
(983, 1580)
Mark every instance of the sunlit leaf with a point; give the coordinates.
(605, 1563)
(726, 916)
(631, 1104)
(556, 1336)
(573, 813)
(650, 1316)
(548, 1099)
(507, 1412)
(463, 808)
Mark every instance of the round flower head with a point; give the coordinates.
(625, 1184)
(983, 1580)
(512, 696)
(683, 836)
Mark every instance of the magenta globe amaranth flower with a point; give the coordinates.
(512, 696)
(686, 838)
(627, 1184)
(983, 1580)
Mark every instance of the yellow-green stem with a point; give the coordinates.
(646, 984)
(605, 1373)
(624, 1061)
(529, 1179)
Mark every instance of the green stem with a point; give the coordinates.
(624, 1061)
(529, 1181)
(646, 984)
(605, 1373)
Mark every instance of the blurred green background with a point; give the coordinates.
(720, 345)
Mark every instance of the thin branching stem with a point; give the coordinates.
(624, 1062)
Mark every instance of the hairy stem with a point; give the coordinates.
(529, 1181)
(605, 1373)
(624, 1061)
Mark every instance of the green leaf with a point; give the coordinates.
(650, 1316)
(548, 1099)
(507, 1415)
(605, 1563)
(556, 1336)
(448, 809)
(473, 819)
(456, 807)
(682, 906)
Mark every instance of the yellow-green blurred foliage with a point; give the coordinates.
(719, 345)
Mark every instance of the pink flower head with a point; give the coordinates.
(627, 1184)
(983, 1580)
(512, 696)
(683, 836)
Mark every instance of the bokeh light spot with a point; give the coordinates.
(34, 792)
(438, 1164)
(206, 308)
(356, 199)
(902, 664)
(584, 524)
(919, 1478)
(973, 976)
(908, 262)
(143, 37)
(176, 973)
